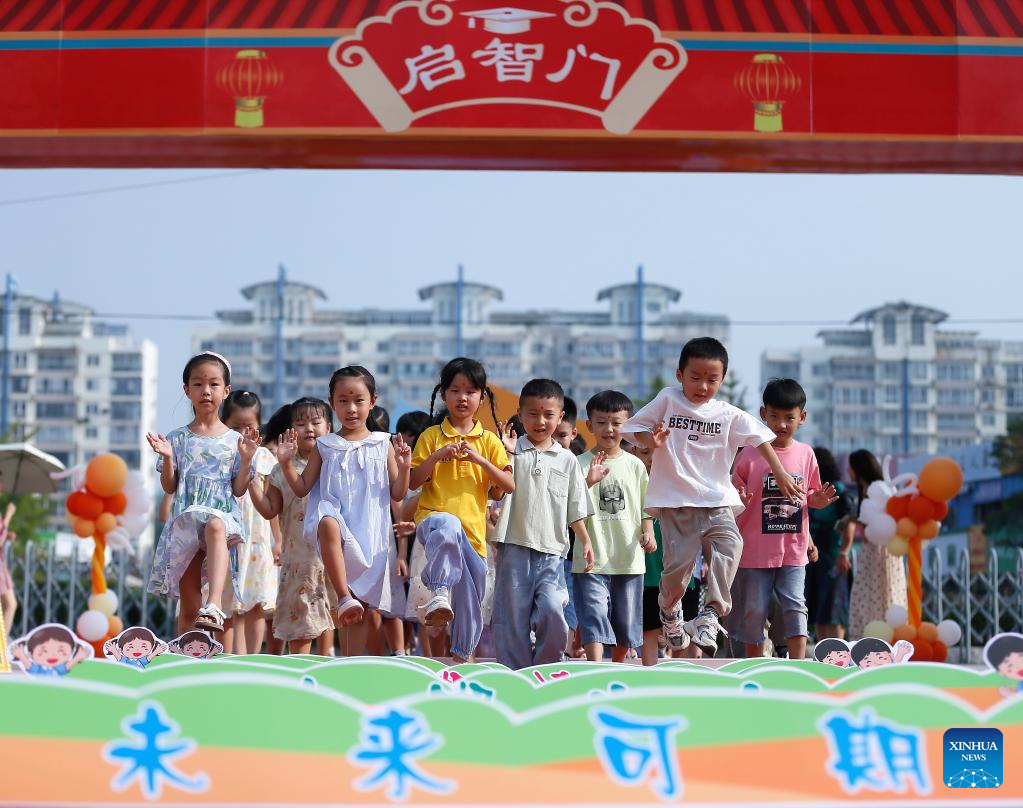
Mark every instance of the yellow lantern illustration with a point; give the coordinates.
(768, 82)
(248, 78)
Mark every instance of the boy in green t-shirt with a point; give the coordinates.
(608, 600)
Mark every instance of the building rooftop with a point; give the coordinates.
(249, 292)
(901, 306)
(670, 292)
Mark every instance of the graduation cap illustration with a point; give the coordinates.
(505, 20)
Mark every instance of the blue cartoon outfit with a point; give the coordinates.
(47, 670)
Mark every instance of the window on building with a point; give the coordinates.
(20, 360)
(918, 370)
(19, 384)
(861, 371)
(957, 398)
(55, 409)
(125, 411)
(92, 409)
(383, 347)
(1014, 398)
(988, 419)
(18, 408)
(383, 368)
(91, 432)
(891, 418)
(891, 394)
(56, 360)
(353, 345)
(92, 385)
(1013, 373)
(321, 369)
(92, 360)
(24, 321)
(125, 434)
(917, 330)
(955, 371)
(126, 362)
(891, 370)
(888, 329)
(132, 457)
(917, 395)
(125, 387)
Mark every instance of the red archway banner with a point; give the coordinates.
(747, 85)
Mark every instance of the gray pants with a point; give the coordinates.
(684, 531)
(529, 596)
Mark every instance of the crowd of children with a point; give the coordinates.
(683, 515)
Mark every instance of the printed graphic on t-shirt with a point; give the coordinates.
(696, 428)
(779, 515)
(612, 498)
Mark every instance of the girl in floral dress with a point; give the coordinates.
(204, 466)
(256, 591)
(351, 480)
(304, 611)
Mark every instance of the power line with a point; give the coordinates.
(25, 200)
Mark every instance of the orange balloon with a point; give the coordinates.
(922, 651)
(106, 475)
(97, 647)
(940, 511)
(115, 504)
(940, 479)
(116, 626)
(927, 631)
(905, 527)
(106, 523)
(929, 530)
(84, 504)
(84, 528)
(904, 632)
(939, 650)
(920, 509)
(897, 507)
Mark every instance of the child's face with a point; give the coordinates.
(196, 648)
(310, 424)
(607, 429)
(701, 379)
(876, 659)
(643, 453)
(540, 417)
(462, 398)
(1012, 665)
(242, 418)
(783, 423)
(136, 649)
(352, 403)
(840, 658)
(206, 388)
(564, 433)
(52, 653)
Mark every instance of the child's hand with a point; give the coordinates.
(508, 436)
(789, 488)
(468, 452)
(745, 496)
(811, 552)
(402, 453)
(108, 646)
(287, 446)
(160, 445)
(493, 515)
(822, 497)
(404, 529)
(451, 451)
(276, 549)
(401, 569)
(842, 564)
(597, 471)
(660, 434)
(248, 442)
(648, 543)
(587, 557)
(901, 651)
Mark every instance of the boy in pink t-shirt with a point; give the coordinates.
(775, 530)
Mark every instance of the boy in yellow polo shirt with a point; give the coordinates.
(457, 463)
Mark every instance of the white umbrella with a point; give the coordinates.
(24, 469)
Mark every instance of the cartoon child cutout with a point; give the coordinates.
(871, 652)
(196, 644)
(50, 650)
(1004, 653)
(833, 651)
(136, 646)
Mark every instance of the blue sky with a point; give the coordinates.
(781, 248)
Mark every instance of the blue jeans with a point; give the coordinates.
(610, 608)
(529, 596)
(755, 586)
(451, 561)
(566, 580)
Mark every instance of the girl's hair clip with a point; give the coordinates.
(215, 355)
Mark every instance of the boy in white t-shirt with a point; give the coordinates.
(695, 438)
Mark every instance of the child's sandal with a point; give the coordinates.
(210, 618)
(349, 611)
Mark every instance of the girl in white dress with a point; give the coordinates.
(350, 482)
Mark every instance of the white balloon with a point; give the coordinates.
(105, 602)
(949, 632)
(880, 490)
(896, 615)
(118, 539)
(870, 509)
(133, 525)
(880, 530)
(92, 625)
(136, 507)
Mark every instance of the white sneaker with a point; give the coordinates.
(672, 628)
(704, 631)
(438, 610)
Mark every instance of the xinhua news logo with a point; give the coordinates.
(972, 758)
